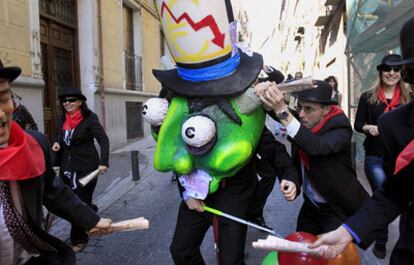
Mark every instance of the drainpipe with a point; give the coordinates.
(101, 68)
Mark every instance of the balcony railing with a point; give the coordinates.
(133, 71)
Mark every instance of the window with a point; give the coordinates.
(134, 120)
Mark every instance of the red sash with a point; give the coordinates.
(23, 157)
(73, 120)
(405, 157)
(335, 111)
(395, 101)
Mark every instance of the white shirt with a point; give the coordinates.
(292, 129)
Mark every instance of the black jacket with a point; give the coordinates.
(48, 190)
(331, 170)
(368, 113)
(81, 156)
(273, 160)
(397, 193)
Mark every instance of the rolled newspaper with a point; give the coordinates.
(127, 225)
(249, 102)
(88, 178)
(279, 244)
(298, 85)
(131, 225)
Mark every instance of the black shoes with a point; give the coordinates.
(79, 247)
(379, 251)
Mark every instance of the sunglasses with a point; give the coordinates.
(388, 68)
(408, 75)
(70, 100)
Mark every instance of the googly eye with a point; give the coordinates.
(198, 131)
(155, 110)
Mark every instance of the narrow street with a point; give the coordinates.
(156, 198)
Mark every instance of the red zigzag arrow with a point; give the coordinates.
(208, 21)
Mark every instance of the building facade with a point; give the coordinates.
(346, 39)
(310, 37)
(108, 48)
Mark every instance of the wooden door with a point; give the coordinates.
(59, 66)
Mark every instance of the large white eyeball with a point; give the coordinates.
(155, 110)
(198, 131)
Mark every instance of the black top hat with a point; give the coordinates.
(407, 43)
(390, 59)
(71, 91)
(9, 73)
(321, 94)
(230, 85)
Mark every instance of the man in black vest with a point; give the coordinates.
(322, 155)
(27, 182)
(397, 193)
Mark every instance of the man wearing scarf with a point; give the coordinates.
(396, 195)
(321, 141)
(27, 181)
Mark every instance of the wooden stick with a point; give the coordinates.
(280, 244)
(88, 178)
(123, 226)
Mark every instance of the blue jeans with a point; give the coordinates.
(374, 170)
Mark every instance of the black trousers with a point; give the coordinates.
(317, 220)
(77, 234)
(263, 189)
(63, 256)
(189, 234)
(402, 254)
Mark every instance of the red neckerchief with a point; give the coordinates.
(405, 157)
(335, 110)
(23, 157)
(395, 101)
(72, 120)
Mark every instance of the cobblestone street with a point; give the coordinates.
(156, 198)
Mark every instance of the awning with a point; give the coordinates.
(384, 33)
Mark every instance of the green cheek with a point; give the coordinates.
(236, 145)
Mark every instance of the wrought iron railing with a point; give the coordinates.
(133, 71)
(63, 10)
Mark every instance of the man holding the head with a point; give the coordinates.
(28, 181)
(396, 196)
(321, 138)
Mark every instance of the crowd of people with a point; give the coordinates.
(319, 164)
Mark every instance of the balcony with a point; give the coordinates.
(133, 71)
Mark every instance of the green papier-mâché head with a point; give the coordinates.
(208, 134)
